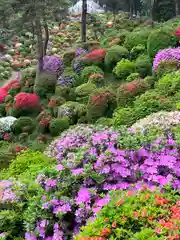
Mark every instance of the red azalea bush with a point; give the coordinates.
(177, 32)
(96, 56)
(101, 104)
(4, 90)
(127, 91)
(145, 214)
(3, 94)
(25, 101)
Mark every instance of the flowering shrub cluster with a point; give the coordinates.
(96, 55)
(53, 64)
(78, 65)
(127, 91)
(4, 90)
(166, 55)
(144, 214)
(26, 101)
(66, 80)
(101, 103)
(80, 51)
(91, 164)
(10, 191)
(97, 79)
(161, 119)
(5, 124)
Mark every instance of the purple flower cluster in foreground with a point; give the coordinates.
(10, 191)
(165, 55)
(53, 64)
(91, 164)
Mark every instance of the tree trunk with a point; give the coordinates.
(39, 44)
(130, 9)
(177, 7)
(83, 20)
(46, 40)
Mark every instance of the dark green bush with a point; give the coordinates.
(124, 116)
(85, 89)
(28, 76)
(6, 154)
(45, 84)
(164, 10)
(151, 102)
(104, 121)
(57, 125)
(2, 110)
(23, 124)
(159, 39)
(137, 50)
(127, 91)
(169, 84)
(68, 57)
(124, 68)
(144, 105)
(137, 37)
(102, 103)
(132, 76)
(114, 55)
(143, 66)
(87, 71)
(150, 80)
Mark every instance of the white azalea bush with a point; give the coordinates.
(161, 119)
(5, 124)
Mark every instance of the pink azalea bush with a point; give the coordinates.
(165, 55)
(90, 163)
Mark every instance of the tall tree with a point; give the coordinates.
(34, 14)
(84, 19)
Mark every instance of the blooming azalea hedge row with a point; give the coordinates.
(90, 164)
(143, 214)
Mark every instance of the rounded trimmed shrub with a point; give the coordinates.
(127, 91)
(73, 110)
(169, 84)
(151, 102)
(88, 71)
(68, 57)
(2, 110)
(166, 67)
(97, 79)
(23, 124)
(132, 77)
(28, 163)
(124, 68)
(137, 50)
(45, 84)
(28, 76)
(143, 66)
(114, 55)
(57, 125)
(159, 39)
(85, 89)
(137, 37)
(124, 116)
(68, 78)
(102, 103)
